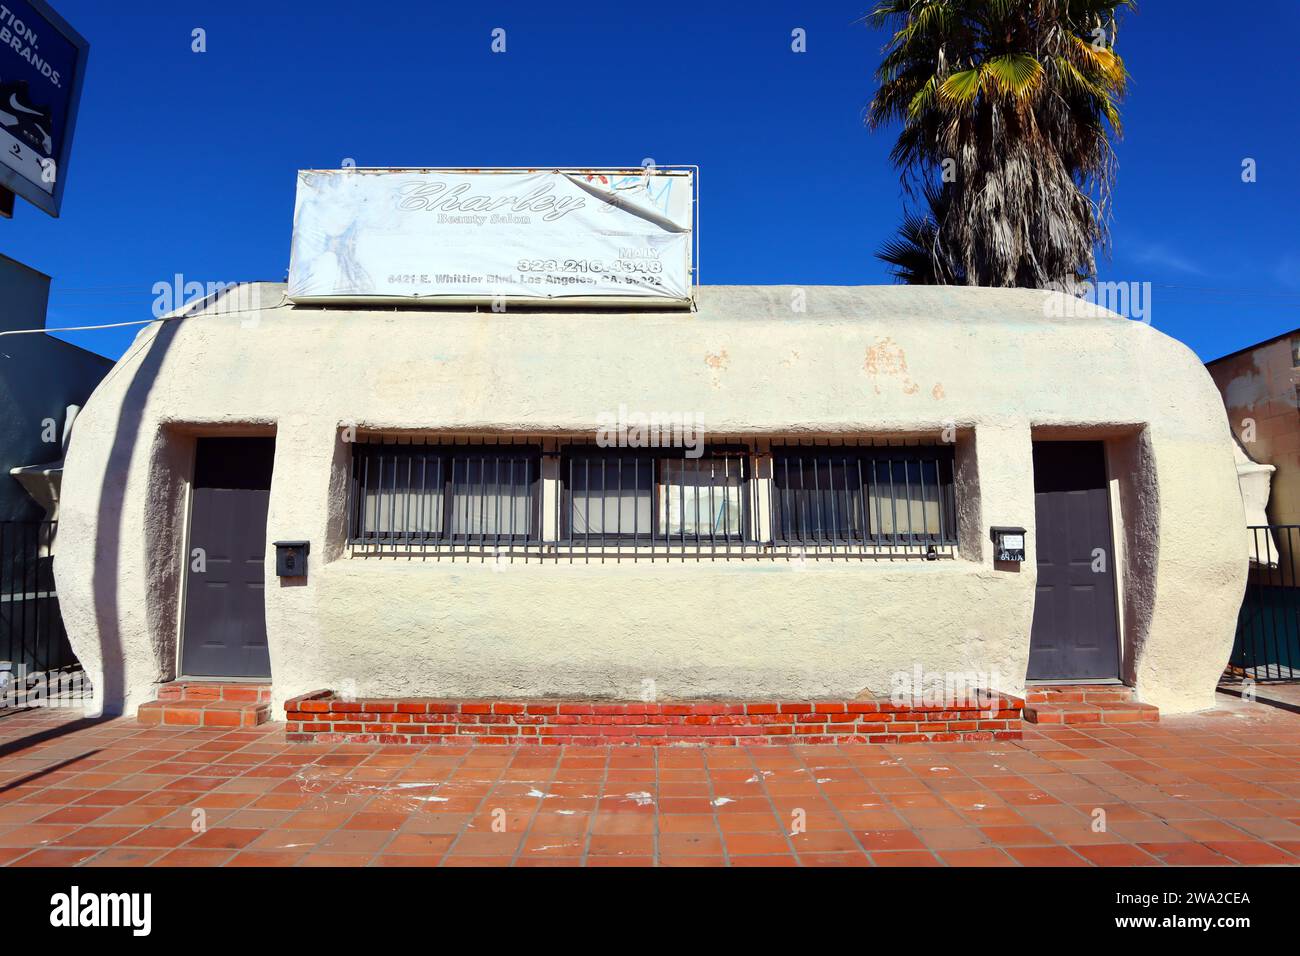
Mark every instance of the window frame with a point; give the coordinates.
(448, 455)
(867, 457)
(565, 534)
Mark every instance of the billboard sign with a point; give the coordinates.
(42, 63)
(485, 236)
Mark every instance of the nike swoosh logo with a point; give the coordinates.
(14, 104)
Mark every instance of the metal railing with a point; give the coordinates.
(34, 648)
(572, 500)
(1267, 645)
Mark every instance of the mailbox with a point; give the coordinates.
(1008, 544)
(291, 558)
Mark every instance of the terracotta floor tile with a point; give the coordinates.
(409, 859)
(988, 856)
(877, 840)
(691, 860)
(1045, 856)
(160, 837)
(335, 859)
(95, 836)
(188, 857)
(55, 857)
(1254, 853)
(552, 845)
(1207, 830)
(375, 821)
(1185, 854)
(355, 841)
(835, 859)
(1016, 836)
(904, 858)
(477, 861)
(305, 840)
(421, 843)
(1117, 854)
(266, 858)
(954, 838)
(635, 845)
(621, 861)
(125, 856)
(757, 843)
(768, 859)
(624, 823)
(75, 814)
(683, 844)
(486, 844)
(137, 815)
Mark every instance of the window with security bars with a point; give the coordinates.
(653, 496)
(416, 495)
(863, 495)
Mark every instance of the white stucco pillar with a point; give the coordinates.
(308, 502)
(1004, 495)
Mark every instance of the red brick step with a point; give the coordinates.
(215, 690)
(1085, 704)
(208, 704)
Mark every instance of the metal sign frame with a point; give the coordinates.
(606, 301)
(10, 179)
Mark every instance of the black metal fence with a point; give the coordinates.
(1267, 646)
(36, 660)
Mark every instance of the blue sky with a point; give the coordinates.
(184, 162)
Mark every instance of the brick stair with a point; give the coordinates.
(1085, 704)
(208, 704)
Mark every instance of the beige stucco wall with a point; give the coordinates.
(858, 361)
(1259, 393)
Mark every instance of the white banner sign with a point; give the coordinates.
(492, 236)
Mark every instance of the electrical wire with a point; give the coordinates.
(86, 328)
(166, 318)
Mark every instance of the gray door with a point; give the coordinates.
(1075, 632)
(225, 608)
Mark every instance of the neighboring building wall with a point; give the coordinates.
(858, 362)
(1259, 391)
(40, 376)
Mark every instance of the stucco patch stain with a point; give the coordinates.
(887, 357)
(717, 362)
(937, 391)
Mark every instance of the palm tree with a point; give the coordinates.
(1012, 103)
(914, 252)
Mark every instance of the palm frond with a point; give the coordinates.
(960, 89)
(1018, 75)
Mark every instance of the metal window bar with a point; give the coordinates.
(852, 501)
(482, 500)
(476, 501)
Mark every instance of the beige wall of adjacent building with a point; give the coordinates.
(1259, 391)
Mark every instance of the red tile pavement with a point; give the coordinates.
(1215, 789)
